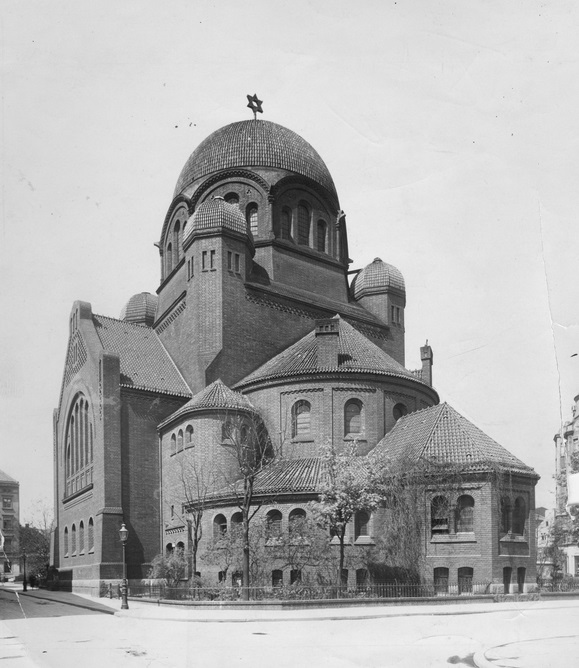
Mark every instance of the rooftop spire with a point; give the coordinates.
(255, 105)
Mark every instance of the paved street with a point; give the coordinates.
(58, 635)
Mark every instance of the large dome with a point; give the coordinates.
(255, 143)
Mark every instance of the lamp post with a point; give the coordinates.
(24, 583)
(124, 536)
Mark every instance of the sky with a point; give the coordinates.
(450, 129)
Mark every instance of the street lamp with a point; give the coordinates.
(124, 536)
(24, 584)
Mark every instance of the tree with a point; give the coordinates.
(35, 544)
(171, 567)
(196, 482)
(248, 443)
(348, 486)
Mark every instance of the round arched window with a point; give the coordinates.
(399, 411)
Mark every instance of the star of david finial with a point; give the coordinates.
(255, 105)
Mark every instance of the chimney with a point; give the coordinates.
(427, 361)
(327, 333)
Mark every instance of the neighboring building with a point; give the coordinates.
(255, 319)
(9, 524)
(567, 471)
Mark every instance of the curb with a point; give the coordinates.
(74, 604)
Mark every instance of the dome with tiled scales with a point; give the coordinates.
(255, 144)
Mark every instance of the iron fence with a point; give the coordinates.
(305, 592)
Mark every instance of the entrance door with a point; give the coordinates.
(521, 572)
(507, 572)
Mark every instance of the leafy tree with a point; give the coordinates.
(349, 485)
(171, 567)
(35, 544)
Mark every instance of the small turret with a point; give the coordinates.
(427, 361)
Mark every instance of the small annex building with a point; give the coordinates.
(255, 317)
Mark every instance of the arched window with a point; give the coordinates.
(189, 436)
(232, 198)
(173, 444)
(439, 515)
(81, 537)
(180, 440)
(321, 240)
(297, 523)
(227, 430)
(273, 524)
(361, 524)
(505, 514)
(301, 411)
(91, 535)
(180, 546)
(465, 575)
(303, 225)
(399, 411)
(251, 217)
(295, 576)
(276, 578)
(465, 514)
(73, 540)
(219, 527)
(236, 522)
(353, 418)
(361, 577)
(169, 549)
(286, 223)
(78, 452)
(441, 580)
(176, 231)
(519, 517)
(169, 260)
(65, 541)
(297, 515)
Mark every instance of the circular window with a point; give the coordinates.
(232, 198)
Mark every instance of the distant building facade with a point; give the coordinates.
(256, 317)
(9, 525)
(566, 472)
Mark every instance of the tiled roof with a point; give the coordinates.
(254, 143)
(355, 354)
(216, 213)
(145, 364)
(140, 309)
(4, 477)
(376, 277)
(216, 396)
(441, 435)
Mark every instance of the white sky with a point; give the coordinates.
(450, 129)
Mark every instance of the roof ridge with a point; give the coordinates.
(124, 322)
(428, 439)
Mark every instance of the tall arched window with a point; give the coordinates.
(505, 514)
(353, 424)
(519, 517)
(219, 527)
(173, 444)
(189, 436)
(439, 515)
(91, 535)
(301, 411)
(361, 524)
(303, 225)
(465, 514)
(180, 440)
(65, 541)
(78, 452)
(81, 537)
(286, 223)
(73, 540)
(176, 232)
(273, 524)
(251, 217)
(236, 522)
(169, 260)
(321, 236)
